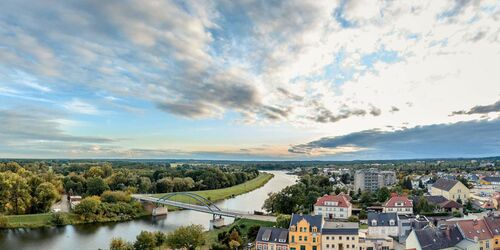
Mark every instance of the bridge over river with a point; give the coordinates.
(204, 206)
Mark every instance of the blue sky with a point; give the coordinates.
(266, 80)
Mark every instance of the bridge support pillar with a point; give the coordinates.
(217, 222)
(159, 211)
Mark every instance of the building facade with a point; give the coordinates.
(305, 232)
(450, 189)
(383, 224)
(333, 207)
(340, 236)
(398, 204)
(272, 239)
(372, 179)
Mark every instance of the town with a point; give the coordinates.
(429, 211)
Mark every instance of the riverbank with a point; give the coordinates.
(226, 193)
(211, 236)
(44, 220)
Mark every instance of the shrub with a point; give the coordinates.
(115, 196)
(58, 219)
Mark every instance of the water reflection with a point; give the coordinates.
(94, 236)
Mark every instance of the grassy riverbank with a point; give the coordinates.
(44, 220)
(225, 193)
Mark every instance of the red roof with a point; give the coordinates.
(450, 204)
(341, 199)
(399, 199)
(475, 228)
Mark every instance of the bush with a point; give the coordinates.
(58, 219)
(120, 244)
(457, 214)
(353, 219)
(4, 222)
(115, 196)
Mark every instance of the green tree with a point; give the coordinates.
(160, 238)
(96, 186)
(188, 237)
(15, 197)
(383, 194)
(252, 232)
(283, 220)
(115, 196)
(353, 218)
(120, 244)
(46, 195)
(95, 172)
(89, 208)
(423, 206)
(58, 219)
(145, 241)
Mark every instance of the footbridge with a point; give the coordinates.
(204, 205)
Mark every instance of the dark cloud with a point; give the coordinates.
(375, 111)
(475, 138)
(324, 115)
(394, 109)
(495, 107)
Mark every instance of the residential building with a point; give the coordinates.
(442, 204)
(372, 179)
(407, 223)
(444, 237)
(493, 223)
(490, 180)
(375, 242)
(334, 206)
(450, 189)
(399, 204)
(476, 231)
(384, 224)
(305, 232)
(339, 236)
(272, 239)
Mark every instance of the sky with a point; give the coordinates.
(250, 79)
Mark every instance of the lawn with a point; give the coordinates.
(35, 220)
(224, 193)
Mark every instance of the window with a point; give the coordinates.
(327, 245)
(259, 247)
(305, 238)
(333, 237)
(315, 248)
(391, 222)
(347, 238)
(293, 239)
(302, 247)
(487, 244)
(374, 223)
(265, 247)
(353, 237)
(314, 239)
(385, 248)
(300, 238)
(347, 246)
(292, 248)
(352, 245)
(340, 237)
(327, 237)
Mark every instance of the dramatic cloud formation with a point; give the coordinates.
(159, 72)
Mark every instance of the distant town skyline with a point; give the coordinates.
(250, 80)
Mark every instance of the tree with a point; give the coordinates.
(120, 244)
(383, 194)
(96, 186)
(115, 196)
(283, 221)
(353, 219)
(160, 238)
(233, 244)
(46, 195)
(58, 219)
(423, 206)
(15, 197)
(89, 208)
(188, 237)
(252, 232)
(95, 172)
(145, 241)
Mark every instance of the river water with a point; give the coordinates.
(95, 236)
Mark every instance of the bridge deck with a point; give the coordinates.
(206, 209)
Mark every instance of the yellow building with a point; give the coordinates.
(451, 190)
(493, 224)
(305, 232)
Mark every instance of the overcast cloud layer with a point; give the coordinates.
(249, 79)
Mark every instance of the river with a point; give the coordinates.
(95, 236)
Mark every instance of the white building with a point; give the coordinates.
(333, 206)
(383, 224)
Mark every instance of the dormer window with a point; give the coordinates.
(315, 229)
(374, 222)
(293, 228)
(391, 222)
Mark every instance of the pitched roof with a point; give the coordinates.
(313, 220)
(450, 204)
(431, 238)
(445, 184)
(273, 235)
(493, 224)
(340, 228)
(492, 179)
(399, 199)
(383, 219)
(474, 228)
(341, 199)
(435, 199)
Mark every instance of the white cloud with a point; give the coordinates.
(79, 106)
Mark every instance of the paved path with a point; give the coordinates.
(206, 209)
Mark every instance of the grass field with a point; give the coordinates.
(35, 220)
(224, 193)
